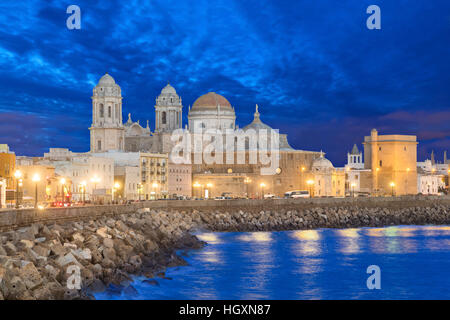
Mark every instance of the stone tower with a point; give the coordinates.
(107, 130)
(168, 110)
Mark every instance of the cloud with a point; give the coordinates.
(312, 66)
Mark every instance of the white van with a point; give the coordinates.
(297, 194)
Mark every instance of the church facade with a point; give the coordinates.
(210, 111)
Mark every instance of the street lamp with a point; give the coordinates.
(83, 188)
(392, 184)
(36, 178)
(18, 176)
(63, 182)
(353, 185)
(115, 189)
(262, 185)
(197, 185)
(209, 185)
(247, 180)
(155, 186)
(310, 184)
(140, 186)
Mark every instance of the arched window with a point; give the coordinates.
(102, 110)
(99, 145)
(109, 112)
(163, 118)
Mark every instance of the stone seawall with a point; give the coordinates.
(45, 252)
(12, 219)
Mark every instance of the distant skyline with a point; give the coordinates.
(315, 70)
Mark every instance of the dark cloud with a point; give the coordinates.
(313, 67)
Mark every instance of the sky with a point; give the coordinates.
(313, 67)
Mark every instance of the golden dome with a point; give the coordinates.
(211, 101)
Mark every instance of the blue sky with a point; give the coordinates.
(316, 71)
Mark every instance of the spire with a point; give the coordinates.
(432, 157)
(256, 114)
(129, 118)
(321, 153)
(148, 125)
(445, 156)
(355, 150)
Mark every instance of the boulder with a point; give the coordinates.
(10, 249)
(84, 254)
(62, 261)
(108, 243)
(77, 237)
(103, 232)
(26, 234)
(109, 253)
(27, 243)
(30, 276)
(52, 271)
(41, 251)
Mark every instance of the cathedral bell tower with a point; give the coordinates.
(107, 130)
(168, 110)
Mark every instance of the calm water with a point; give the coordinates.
(313, 264)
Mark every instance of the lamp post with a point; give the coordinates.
(247, 180)
(36, 178)
(353, 185)
(63, 182)
(115, 189)
(83, 188)
(209, 186)
(155, 186)
(196, 185)
(139, 191)
(310, 183)
(262, 185)
(18, 176)
(392, 184)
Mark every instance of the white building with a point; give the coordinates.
(94, 175)
(328, 180)
(356, 177)
(428, 183)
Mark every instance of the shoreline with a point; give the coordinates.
(34, 260)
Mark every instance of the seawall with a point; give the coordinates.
(12, 219)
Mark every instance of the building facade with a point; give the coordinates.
(393, 162)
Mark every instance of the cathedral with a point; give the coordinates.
(210, 111)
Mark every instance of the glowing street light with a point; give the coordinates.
(353, 185)
(83, 188)
(198, 185)
(63, 182)
(262, 185)
(36, 178)
(18, 176)
(392, 184)
(310, 183)
(115, 189)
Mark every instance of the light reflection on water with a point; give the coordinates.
(310, 264)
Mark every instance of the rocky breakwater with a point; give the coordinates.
(295, 218)
(73, 259)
